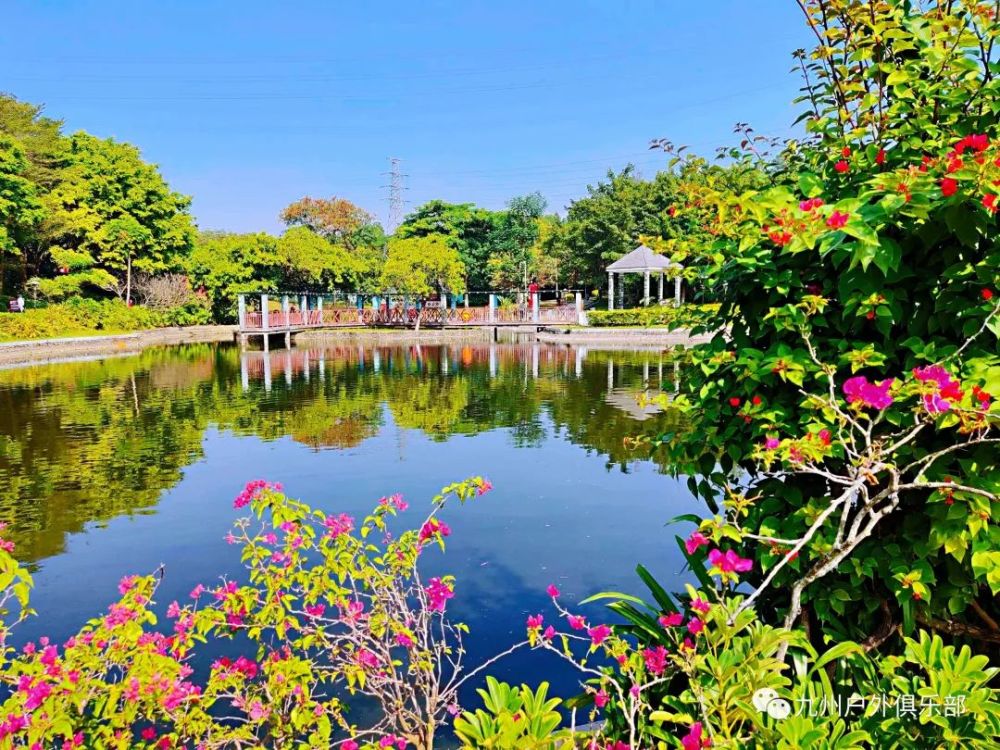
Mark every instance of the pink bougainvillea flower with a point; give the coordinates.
(771, 443)
(434, 526)
(535, 621)
(874, 395)
(126, 584)
(598, 634)
(672, 620)
(404, 640)
(252, 491)
(695, 739)
(349, 745)
(693, 542)
(576, 622)
(337, 525)
(700, 605)
(947, 389)
(552, 590)
(549, 634)
(695, 626)
(483, 486)
(197, 591)
(837, 220)
(729, 561)
(315, 610)
(438, 593)
(655, 659)
(367, 659)
(601, 698)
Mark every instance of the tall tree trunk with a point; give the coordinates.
(128, 280)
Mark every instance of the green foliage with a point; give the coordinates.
(671, 316)
(514, 719)
(20, 208)
(875, 253)
(421, 266)
(466, 227)
(116, 207)
(79, 317)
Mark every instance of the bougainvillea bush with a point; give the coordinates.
(845, 415)
(331, 610)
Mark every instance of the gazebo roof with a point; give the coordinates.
(640, 260)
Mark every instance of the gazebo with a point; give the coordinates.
(645, 261)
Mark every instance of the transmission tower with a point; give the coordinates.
(395, 188)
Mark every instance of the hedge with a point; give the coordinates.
(684, 316)
(83, 317)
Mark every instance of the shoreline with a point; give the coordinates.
(43, 351)
(50, 351)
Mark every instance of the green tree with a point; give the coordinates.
(117, 208)
(466, 227)
(311, 260)
(20, 209)
(515, 233)
(225, 265)
(421, 266)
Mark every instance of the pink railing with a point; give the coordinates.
(397, 315)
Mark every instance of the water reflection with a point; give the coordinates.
(88, 441)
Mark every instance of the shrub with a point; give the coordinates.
(685, 316)
(83, 316)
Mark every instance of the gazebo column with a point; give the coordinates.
(645, 288)
(659, 297)
(611, 290)
(677, 291)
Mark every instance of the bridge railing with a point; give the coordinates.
(397, 315)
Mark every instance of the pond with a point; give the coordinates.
(116, 466)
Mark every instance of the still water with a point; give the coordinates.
(119, 465)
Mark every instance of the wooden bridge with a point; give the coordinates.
(307, 312)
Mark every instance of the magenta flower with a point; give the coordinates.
(576, 622)
(695, 739)
(729, 561)
(655, 659)
(695, 626)
(601, 698)
(947, 389)
(367, 659)
(337, 525)
(875, 395)
(126, 584)
(700, 605)
(549, 634)
(693, 542)
(349, 745)
(552, 590)
(598, 634)
(404, 640)
(534, 621)
(771, 443)
(483, 486)
(315, 610)
(252, 491)
(672, 620)
(434, 526)
(438, 593)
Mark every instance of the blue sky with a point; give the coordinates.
(248, 106)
